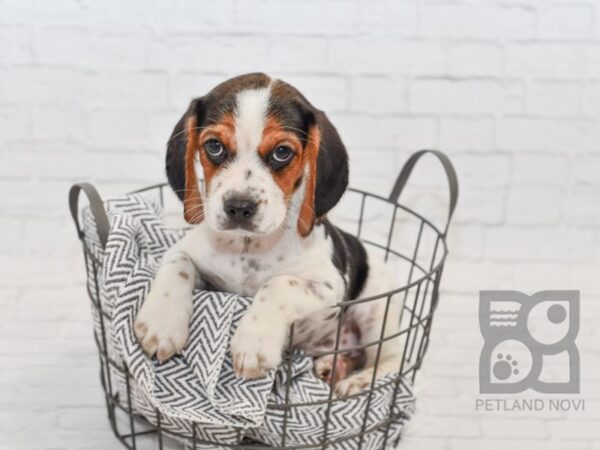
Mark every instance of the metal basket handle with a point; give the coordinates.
(96, 206)
(450, 173)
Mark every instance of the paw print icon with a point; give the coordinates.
(529, 342)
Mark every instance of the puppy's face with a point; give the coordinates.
(254, 159)
(259, 144)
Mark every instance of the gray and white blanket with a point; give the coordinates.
(196, 393)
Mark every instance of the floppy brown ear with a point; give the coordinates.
(327, 174)
(181, 151)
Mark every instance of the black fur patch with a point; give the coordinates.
(350, 258)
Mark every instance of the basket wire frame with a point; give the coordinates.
(420, 296)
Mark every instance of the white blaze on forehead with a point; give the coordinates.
(250, 117)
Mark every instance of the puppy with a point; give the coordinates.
(273, 166)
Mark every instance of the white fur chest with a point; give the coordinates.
(243, 264)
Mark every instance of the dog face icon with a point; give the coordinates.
(523, 332)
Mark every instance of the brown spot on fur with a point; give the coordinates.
(293, 282)
(325, 343)
(275, 134)
(355, 329)
(193, 209)
(331, 316)
(184, 275)
(306, 219)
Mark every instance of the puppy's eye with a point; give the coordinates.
(280, 156)
(215, 150)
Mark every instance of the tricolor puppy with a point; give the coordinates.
(273, 166)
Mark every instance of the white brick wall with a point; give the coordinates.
(510, 89)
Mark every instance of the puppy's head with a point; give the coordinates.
(266, 155)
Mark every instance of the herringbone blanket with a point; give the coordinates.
(196, 393)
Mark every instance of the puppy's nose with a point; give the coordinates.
(239, 209)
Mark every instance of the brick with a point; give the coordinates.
(488, 171)
(591, 99)
(389, 17)
(188, 16)
(236, 54)
(586, 169)
(540, 170)
(401, 132)
(533, 277)
(118, 128)
(59, 123)
(15, 123)
(59, 162)
(139, 15)
(363, 55)
(534, 206)
(580, 207)
(379, 95)
(183, 87)
(466, 134)
(63, 12)
(481, 206)
(82, 419)
(579, 430)
(329, 16)
(549, 60)
(546, 135)
(128, 91)
(486, 21)
(448, 427)
(543, 245)
(328, 93)
(475, 58)
(45, 85)
(469, 277)
(64, 45)
(20, 206)
(14, 46)
(466, 242)
(465, 96)
(585, 278)
(555, 98)
(573, 21)
(11, 237)
(297, 54)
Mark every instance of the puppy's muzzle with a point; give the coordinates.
(240, 211)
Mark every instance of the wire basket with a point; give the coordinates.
(409, 242)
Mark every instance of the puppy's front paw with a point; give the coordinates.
(162, 327)
(256, 349)
(353, 384)
(323, 368)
